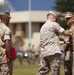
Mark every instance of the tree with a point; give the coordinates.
(64, 5)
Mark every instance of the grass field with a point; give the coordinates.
(27, 69)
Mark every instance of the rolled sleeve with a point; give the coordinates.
(59, 28)
(7, 35)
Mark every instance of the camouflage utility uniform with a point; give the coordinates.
(50, 49)
(5, 68)
(69, 53)
(69, 56)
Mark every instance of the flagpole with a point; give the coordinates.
(30, 27)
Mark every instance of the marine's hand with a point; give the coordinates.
(9, 60)
(67, 33)
(67, 42)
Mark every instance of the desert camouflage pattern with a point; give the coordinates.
(69, 63)
(4, 66)
(49, 40)
(50, 49)
(50, 63)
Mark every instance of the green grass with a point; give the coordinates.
(27, 69)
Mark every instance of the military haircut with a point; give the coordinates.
(49, 15)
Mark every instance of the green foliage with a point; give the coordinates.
(64, 5)
(62, 22)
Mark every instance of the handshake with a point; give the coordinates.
(68, 32)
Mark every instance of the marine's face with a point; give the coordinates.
(54, 18)
(70, 22)
(5, 19)
(67, 20)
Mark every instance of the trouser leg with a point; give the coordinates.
(51, 63)
(4, 69)
(68, 64)
(43, 67)
(68, 67)
(55, 65)
(73, 65)
(10, 65)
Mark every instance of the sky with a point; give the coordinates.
(21, 5)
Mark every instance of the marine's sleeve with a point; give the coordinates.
(58, 28)
(7, 34)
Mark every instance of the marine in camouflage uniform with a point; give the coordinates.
(50, 46)
(5, 44)
(69, 54)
